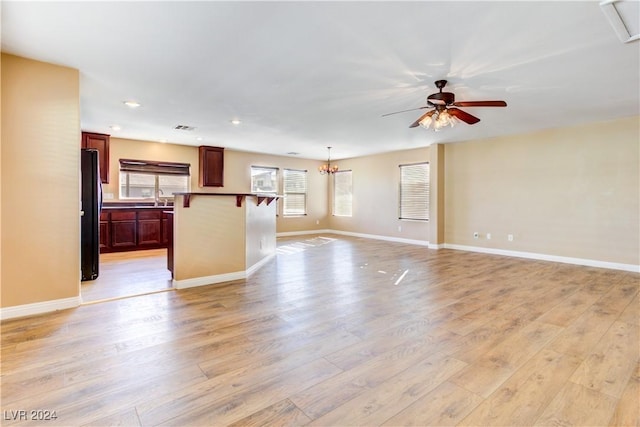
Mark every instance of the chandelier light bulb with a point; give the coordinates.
(327, 168)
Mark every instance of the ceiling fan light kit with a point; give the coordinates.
(438, 120)
(444, 112)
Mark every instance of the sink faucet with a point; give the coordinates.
(157, 198)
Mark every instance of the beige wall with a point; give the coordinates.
(436, 195)
(196, 253)
(569, 192)
(376, 181)
(120, 148)
(237, 176)
(260, 238)
(215, 237)
(40, 182)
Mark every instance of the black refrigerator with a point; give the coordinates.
(91, 194)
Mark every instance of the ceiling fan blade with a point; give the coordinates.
(465, 117)
(480, 104)
(422, 117)
(404, 111)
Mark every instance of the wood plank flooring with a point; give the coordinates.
(338, 331)
(125, 274)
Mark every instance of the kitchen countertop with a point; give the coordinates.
(125, 206)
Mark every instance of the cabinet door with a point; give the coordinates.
(105, 232)
(123, 229)
(211, 166)
(149, 228)
(165, 230)
(100, 142)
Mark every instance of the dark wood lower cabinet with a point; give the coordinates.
(130, 229)
(166, 217)
(149, 228)
(168, 220)
(123, 229)
(105, 231)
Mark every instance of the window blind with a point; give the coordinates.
(342, 193)
(414, 191)
(295, 192)
(153, 167)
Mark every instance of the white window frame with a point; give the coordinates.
(155, 169)
(413, 197)
(290, 192)
(264, 169)
(343, 208)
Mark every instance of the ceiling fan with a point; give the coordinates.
(444, 111)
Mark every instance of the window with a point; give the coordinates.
(414, 191)
(295, 192)
(144, 179)
(342, 193)
(264, 179)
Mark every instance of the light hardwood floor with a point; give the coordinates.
(124, 274)
(343, 331)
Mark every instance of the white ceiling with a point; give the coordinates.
(305, 75)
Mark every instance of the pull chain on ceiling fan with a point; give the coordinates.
(444, 112)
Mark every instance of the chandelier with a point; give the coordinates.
(328, 169)
(438, 119)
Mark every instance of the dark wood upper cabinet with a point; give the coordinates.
(211, 166)
(100, 142)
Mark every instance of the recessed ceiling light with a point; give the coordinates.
(131, 104)
(199, 138)
(235, 122)
(292, 153)
(115, 127)
(162, 140)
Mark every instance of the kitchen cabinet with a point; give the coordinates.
(123, 230)
(149, 228)
(211, 160)
(167, 222)
(100, 142)
(105, 231)
(133, 228)
(169, 237)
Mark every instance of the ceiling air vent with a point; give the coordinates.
(184, 127)
(624, 17)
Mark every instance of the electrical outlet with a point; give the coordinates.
(399, 228)
(317, 222)
(510, 237)
(488, 236)
(476, 235)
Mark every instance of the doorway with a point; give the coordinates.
(126, 274)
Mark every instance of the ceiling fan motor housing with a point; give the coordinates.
(441, 98)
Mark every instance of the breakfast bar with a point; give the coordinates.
(218, 237)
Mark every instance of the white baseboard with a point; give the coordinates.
(39, 308)
(255, 267)
(518, 254)
(219, 278)
(546, 257)
(348, 233)
(302, 233)
(208, 280)
(378, 237)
